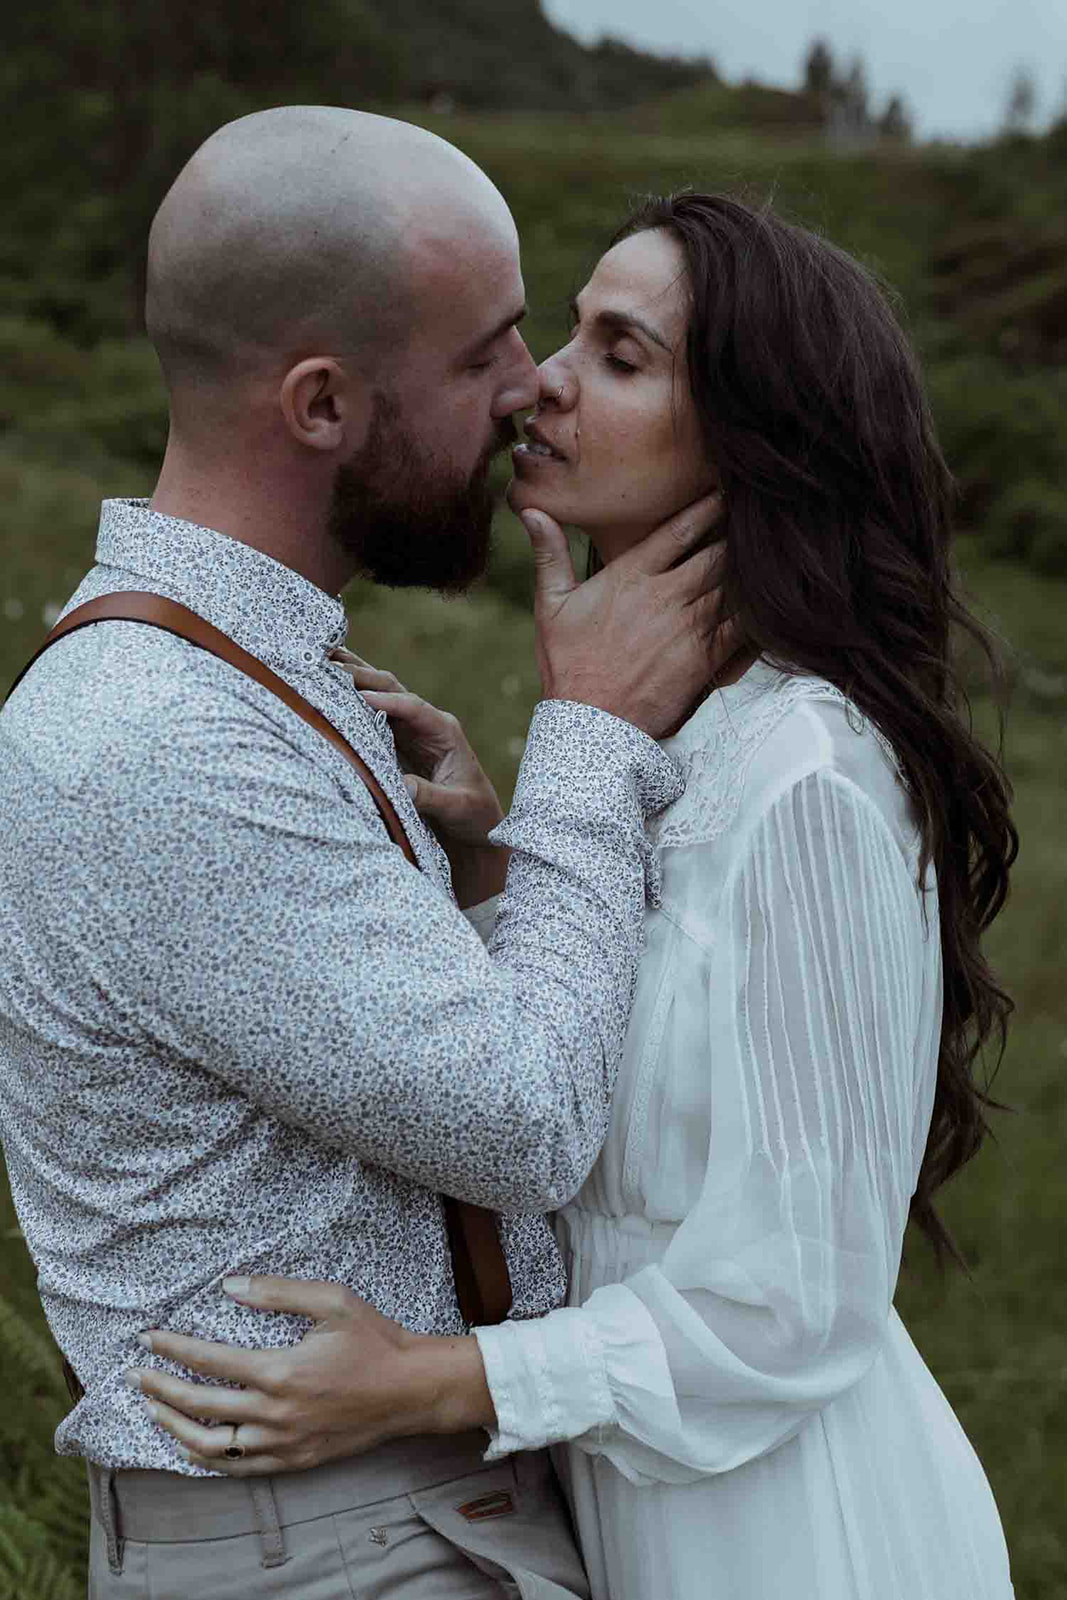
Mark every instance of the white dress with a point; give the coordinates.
(744, 1413)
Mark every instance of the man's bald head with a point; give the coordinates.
(299, 231)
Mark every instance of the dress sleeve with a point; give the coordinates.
(774, 1294)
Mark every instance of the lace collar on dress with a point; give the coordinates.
(714, 749)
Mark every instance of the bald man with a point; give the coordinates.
(239, 1032)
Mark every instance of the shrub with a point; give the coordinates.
(1028, 522)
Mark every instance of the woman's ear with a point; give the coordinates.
(325, 407)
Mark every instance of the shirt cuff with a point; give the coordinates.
(588, 771)
(548, 1381)
(482, 918)
(578, 738)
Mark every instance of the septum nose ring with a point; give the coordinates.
(555, 399)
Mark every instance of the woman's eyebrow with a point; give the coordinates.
(624, 321)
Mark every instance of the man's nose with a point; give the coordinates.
(521, 385)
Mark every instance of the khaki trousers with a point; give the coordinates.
(417, 1519)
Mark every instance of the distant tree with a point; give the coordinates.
(854, 96)
(1021, 104)
(895, 121)
(819, 71)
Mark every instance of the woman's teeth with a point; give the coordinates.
(538, 449)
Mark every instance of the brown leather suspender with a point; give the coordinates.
(483, 1285)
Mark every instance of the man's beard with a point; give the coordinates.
(405, 517)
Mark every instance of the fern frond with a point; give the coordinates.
(29, 1357)
(29, 1568)
(54, 1492)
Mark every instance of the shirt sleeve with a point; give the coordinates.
(774, 1294)
(256, 924)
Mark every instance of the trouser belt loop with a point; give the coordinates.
(102, 1499)
(271, 1538)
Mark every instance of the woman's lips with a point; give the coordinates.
(529, 451)
(537, 445)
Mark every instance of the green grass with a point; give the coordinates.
(89, 423)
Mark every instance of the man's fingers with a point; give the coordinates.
(727, 640)
(678, 537)
(554, 576)
(702, 573)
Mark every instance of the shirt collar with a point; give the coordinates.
(264, 606)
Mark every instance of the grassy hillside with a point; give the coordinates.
(973, 240)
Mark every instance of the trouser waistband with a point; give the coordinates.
(167, 1507)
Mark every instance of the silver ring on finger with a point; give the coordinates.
(234, 1451)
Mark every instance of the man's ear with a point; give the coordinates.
(325, 407)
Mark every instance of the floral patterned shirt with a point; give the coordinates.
(238, 1031)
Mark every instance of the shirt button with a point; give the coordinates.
(309, 656)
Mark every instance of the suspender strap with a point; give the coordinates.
(483, 1285)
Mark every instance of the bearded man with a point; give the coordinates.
(239, 1031)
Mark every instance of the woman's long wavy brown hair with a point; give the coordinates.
(838, 539)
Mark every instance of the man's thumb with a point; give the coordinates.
(553, 571)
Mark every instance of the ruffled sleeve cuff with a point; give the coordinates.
(548, 1381)
(482, 918)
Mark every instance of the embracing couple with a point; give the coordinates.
(343, 1216)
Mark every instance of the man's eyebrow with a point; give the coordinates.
(503, 326)
(623, 321)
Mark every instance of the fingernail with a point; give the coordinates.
(153, 1411)
(236, 1286)
(185, 1453)
(132, 1378)
(531, 521)
(411, 784)
(145, 1341)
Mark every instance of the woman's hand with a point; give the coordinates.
(355, 1380)
(450, 791)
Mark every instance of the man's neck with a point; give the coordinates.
(254, 508)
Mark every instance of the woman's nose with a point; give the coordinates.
(554, 385)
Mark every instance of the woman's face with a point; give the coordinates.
(614, 446)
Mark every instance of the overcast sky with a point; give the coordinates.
(952, 60)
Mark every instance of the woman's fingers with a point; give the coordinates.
(373, 678)
(417, 717)
(230, 1361)
(303, 1297)
(256, 1466)
(364, 674)
(194, 1399)
(206, 1446)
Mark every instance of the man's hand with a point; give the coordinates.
(355, 1380)
(645, 636)
(449, 789)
